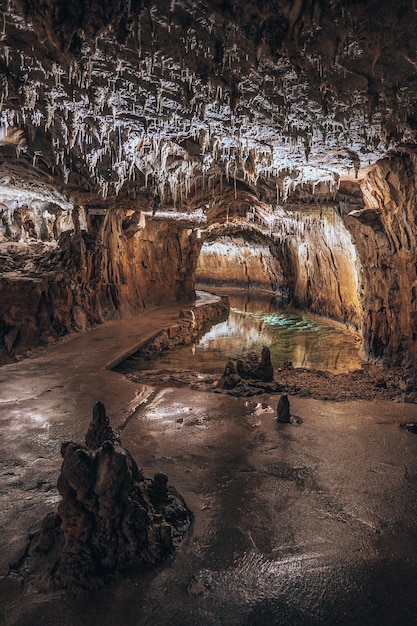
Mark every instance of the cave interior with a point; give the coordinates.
(135, 135)
(152, 145)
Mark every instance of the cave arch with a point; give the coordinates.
(308, 251)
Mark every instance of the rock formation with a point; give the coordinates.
(255, 368)
(99, 429)
(283, 410)
(250, 376)
(86, 277)
(230, 378)
(109, 517)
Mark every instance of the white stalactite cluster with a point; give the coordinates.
(34, 213)
(128, 120)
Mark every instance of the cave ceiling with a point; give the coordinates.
(103, 101)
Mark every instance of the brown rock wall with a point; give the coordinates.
(143, 267)
(385, 238)
(116, 268)
(233, 261)
(320, 264)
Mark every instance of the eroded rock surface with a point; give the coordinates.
(109, 517)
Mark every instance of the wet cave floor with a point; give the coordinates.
(313, 523)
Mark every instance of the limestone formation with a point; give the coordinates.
(100, 429)
(266, 365)
(283, 410)
(249, 376)
(254, 368)
(109, 518)
(158, 489)
(230, 378)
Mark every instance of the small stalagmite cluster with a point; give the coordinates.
(248, 376)
(110, 517)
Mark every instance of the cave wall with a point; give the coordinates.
(235, 262)
(104, 101)
(66, 269)
(320, 262)
(105, 266)
(145, 266)
(327, 271)
(384, 232)
(304, 253)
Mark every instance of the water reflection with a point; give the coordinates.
(256, 321)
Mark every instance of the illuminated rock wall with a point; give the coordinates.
(321, 263)
(120, 265)
(146, 266)
(234, 261)
(308, 255)
(65, 268)
(385, 238)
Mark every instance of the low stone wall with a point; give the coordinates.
(190, 325)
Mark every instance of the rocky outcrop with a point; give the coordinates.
(249, 376)
(109, 518)
(230, 378)
(257, 369)
(385, 237)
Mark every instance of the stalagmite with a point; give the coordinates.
(283, 410)
(109, 517)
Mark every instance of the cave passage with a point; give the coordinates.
(305, 256)
(147, 148)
